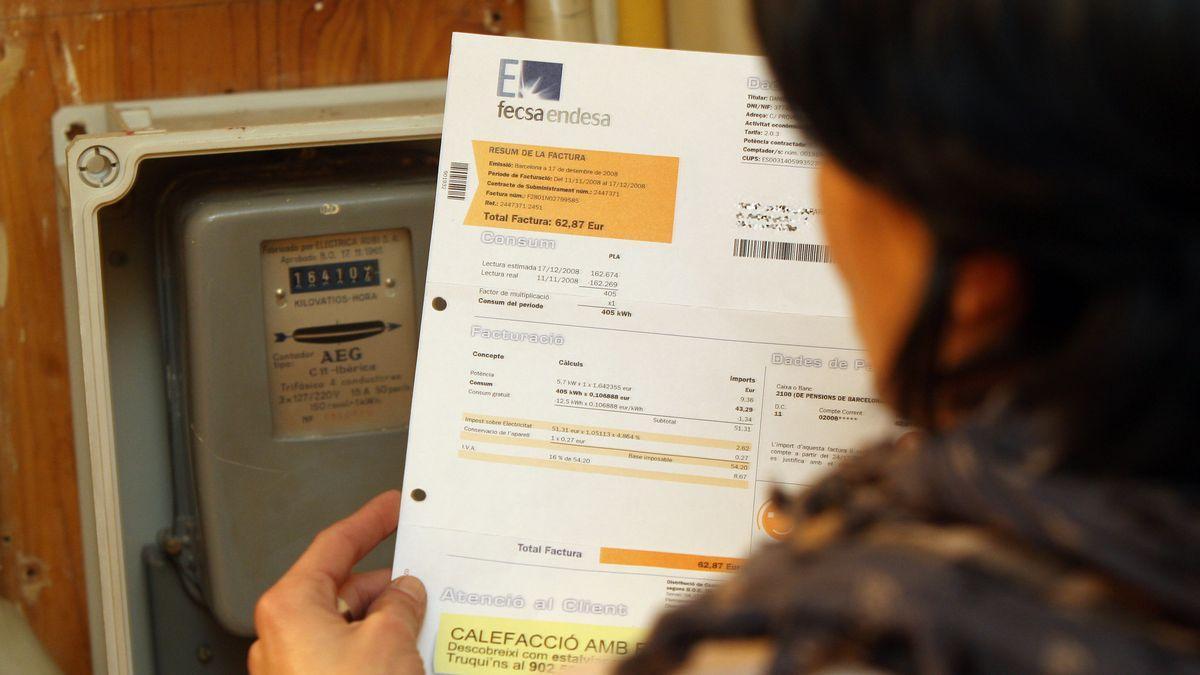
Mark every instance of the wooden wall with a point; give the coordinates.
(61, 52)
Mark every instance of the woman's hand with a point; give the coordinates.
(321, 619)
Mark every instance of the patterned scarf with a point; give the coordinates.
(963, 554)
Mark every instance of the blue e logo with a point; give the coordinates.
(508, 73)
(538, 80)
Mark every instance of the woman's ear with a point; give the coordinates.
(985, 303)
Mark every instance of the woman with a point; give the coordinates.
(1012, 195)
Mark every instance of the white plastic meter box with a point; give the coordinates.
(245, 275)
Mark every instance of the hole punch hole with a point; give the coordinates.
(439, 303)
(418, 495)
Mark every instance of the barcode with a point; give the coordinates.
(780, 250)
(456, 181)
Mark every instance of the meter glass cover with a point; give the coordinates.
(341, 332)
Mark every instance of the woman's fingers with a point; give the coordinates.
(254, 658)
(300, 625)
(362, 589)
(307, 594)
(334, 552)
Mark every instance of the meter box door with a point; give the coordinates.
(245, 273)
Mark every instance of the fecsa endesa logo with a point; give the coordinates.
(532, 82)
(539, 80)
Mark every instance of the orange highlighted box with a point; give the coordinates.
(663, 458)
(590, 193)
(674, 561)
(601, 469)
(605, 432)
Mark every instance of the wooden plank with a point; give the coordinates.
(59, 52)
(25, 9)
(41, 565)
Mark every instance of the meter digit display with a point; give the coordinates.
(334, 276)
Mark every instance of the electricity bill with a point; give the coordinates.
(632, 334)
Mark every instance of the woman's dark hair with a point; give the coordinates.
(1062, 134)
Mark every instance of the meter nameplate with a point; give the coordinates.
(341, 332)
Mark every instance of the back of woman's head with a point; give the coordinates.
(1063, 135)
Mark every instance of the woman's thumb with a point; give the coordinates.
(401, 604)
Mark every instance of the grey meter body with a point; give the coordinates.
(290, 325)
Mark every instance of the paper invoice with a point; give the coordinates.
(631, 334)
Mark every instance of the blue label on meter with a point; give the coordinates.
(334, 276)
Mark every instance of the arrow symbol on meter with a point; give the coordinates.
(338, 332)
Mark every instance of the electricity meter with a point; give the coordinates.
(245, 273)
(290, 329)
